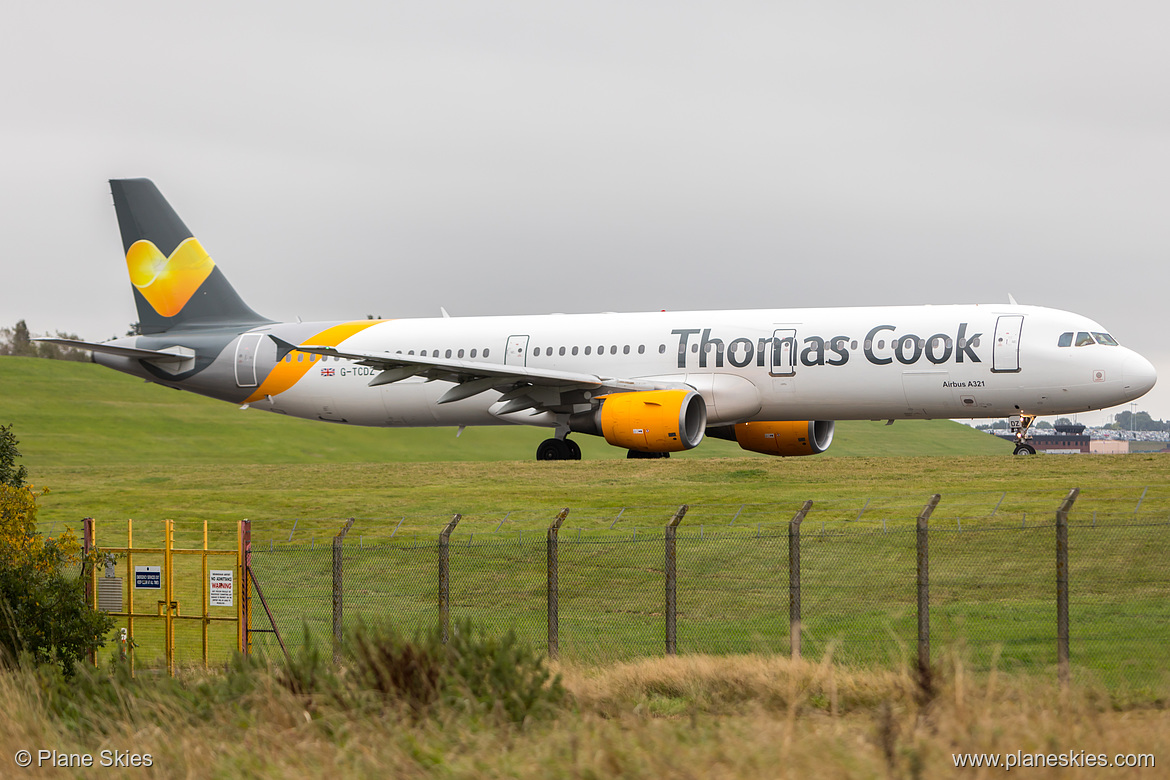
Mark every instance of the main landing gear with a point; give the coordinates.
(558, 449)
(1020, 426)
(567, 449)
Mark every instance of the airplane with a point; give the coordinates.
(772, 380)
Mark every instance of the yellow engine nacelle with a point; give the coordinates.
(648, 421)
(803, 437)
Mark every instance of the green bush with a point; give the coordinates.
(10, 474)
(473, 673)
(43, 614)
(410, 672)
(501, 675)
(44, 617)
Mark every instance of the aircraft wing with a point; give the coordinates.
(523, 387)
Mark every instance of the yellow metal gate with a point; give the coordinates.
(148, 598)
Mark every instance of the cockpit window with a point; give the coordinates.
(1106, 339)
(1065, 339)
(1084, 339)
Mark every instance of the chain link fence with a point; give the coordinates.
(992, 587)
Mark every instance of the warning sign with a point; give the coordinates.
(221, 588)
(149, 577)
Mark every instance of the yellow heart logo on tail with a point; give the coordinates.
(167, 283)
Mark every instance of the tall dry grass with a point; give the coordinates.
(686, 717)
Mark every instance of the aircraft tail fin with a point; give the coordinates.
(176, 283)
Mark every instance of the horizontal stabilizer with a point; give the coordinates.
(158, 356)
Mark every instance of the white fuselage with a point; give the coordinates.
(903, 362)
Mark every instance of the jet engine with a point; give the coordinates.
(803, 437)
(647, 421)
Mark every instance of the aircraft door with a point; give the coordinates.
(517, 352)
(246, 349)
(1005, 354)
(783, 353)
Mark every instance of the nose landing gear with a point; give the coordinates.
(1020, 425)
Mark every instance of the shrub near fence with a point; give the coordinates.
(992, 587)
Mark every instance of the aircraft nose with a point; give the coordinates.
(1140, 375)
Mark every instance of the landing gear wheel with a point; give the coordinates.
(555, 449)
(574, 449)
(1020, 428)
(639, 455)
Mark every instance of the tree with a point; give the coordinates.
(1063, 421)
(1044, 425)
(43, 614)
(10, 474)
(17, 341)
(1128, 421)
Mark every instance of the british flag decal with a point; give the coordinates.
(327, 371)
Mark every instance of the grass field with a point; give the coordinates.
(754, 716)
(112, 448)
(76, 414)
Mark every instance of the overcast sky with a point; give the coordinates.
(346, 159)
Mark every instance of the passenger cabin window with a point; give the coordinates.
(1106, 339)
(1084, 339)
(1065, 340)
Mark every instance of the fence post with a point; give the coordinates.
(445, 577)
(86, 548)
(88, 571)
(1062, 586)
(338, 589)
(244, 563)
(671, 600)
(924, 588)
(554, 648)
(794, 578)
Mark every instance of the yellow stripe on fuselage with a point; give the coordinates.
(287, 374)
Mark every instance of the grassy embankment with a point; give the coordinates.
(112, 447)
(691, 717)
